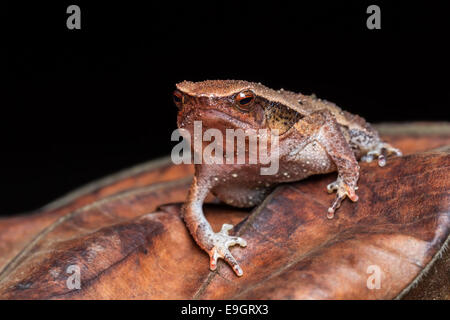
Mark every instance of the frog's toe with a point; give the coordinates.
(381, 152)
(225, 254)
(222, 241)
(367, 158)
(333, 186)
(343, 191)
(391, 151)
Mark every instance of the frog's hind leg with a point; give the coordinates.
(369, 146)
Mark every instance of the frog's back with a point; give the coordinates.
(347, 120)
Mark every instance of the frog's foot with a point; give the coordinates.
(220, 242)
(342, 190)
(381, 151)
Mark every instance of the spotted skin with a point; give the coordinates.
(280, 117)
(315, 137)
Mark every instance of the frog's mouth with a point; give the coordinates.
(217, 116)
(213, 119)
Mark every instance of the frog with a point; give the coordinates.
(315, 136)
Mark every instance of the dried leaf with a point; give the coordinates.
(128, 248)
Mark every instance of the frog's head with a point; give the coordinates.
(234, 104)
(219, 104)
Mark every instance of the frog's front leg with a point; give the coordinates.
(321, 126)
(215, 244)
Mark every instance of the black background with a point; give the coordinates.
(81, 104)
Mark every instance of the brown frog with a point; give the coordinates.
(315, 137)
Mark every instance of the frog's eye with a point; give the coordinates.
(178, 98)
(244, 100)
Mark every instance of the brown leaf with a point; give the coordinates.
(125, 249)
(16, 232)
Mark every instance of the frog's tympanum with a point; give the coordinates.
(315, 137)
